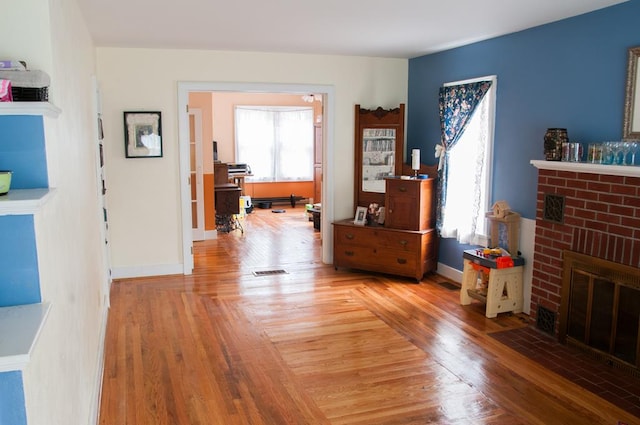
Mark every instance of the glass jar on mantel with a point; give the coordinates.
(553, 140)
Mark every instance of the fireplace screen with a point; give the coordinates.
(600, 309)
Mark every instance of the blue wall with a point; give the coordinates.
(22, 151)
(12, 407)
(568, 74)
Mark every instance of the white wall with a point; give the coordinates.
(144, 194)
(61, 380)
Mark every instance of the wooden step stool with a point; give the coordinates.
(503, 291)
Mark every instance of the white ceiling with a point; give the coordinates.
(383, 28)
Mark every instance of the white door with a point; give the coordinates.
(195, 176)
(102, 190)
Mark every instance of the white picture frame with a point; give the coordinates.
(361, 216)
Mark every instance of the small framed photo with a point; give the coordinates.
(142, 134)
(361, 216)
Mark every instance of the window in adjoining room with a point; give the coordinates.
(467, 117)
(276, 142)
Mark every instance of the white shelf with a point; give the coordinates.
(583, 167)
(24, 201)
(29, 108)
(20, 327)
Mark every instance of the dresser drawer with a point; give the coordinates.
(403, 263)
(402, 187)
(379, 249)
(376, 236)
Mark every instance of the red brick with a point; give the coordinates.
(623, 189)
(586, 214)
(608, 178)
(545, 188)
(557, 182)
(631, 221)
(569, 175)
(622, 210)
(599, 187)
(620, 230)
(596, 225)
(587, 195)
(632, 202)
(632, 181)
(596, 206)
(608, 218)
(566, 191)
(574, 202)
(610, 198)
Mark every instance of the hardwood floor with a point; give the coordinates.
(317, 346)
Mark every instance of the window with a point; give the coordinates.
(276, 142)
(468, 168)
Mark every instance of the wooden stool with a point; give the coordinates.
(503, 290)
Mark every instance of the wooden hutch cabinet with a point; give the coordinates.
(406, 244)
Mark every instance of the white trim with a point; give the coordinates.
(328, 92)
(210, 234)
(493, 78)
(145, 271)
(97, 389)
(449, 272)
(582, 167)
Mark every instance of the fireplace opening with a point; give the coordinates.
(600, 309)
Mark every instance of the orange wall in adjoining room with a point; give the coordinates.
(209, 212)
(279, 190)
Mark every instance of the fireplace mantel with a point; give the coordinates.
(583, 167)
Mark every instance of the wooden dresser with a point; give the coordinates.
(404, 246)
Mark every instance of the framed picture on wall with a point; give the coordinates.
(142, 134)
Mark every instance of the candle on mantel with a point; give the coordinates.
(415, 160)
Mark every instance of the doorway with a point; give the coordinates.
(327, 92)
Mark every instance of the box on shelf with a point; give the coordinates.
(28, 86)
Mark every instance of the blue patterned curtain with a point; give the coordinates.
(457, 104)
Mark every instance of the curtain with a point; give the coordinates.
(276, 142)
(457, 105)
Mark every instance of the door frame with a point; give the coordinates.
(328, 94)
(198, 233)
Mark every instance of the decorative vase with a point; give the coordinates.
(553, 140)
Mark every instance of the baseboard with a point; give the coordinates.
(210, 234)
(449, 272)
(94, 417)
(145, 271)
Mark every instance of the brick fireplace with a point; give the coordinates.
(584, 208)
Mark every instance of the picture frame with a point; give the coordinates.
(142, 134)
(361, 216)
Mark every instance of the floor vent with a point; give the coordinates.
(450, 286)
(546, 320)
(269, 272)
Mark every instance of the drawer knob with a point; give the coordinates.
(348, 253)
(402, 261)
(403, 242)
(348, 236)
(402, 189)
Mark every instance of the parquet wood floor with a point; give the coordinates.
(317, 346)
